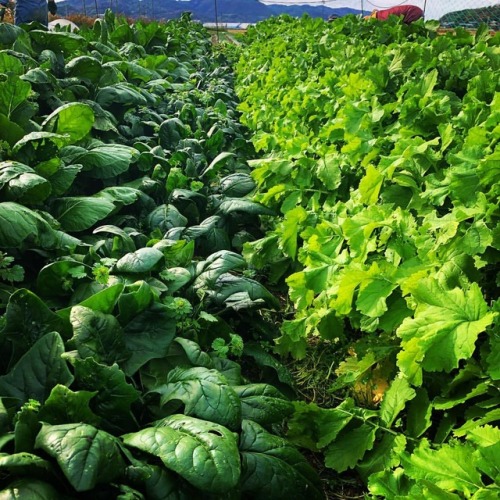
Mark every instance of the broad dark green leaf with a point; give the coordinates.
(87, 456)
(217, 163)
(203, 453)
(106, 161)
(163, 484)
(125, 94)
(114, 397)
(25, 464)
(78, 213)
(272, 468)
(263, 404)
(194, 353)
(69, 43)
(120, 195)
(147, 335)
(214, 266)
(205, 394)
(27, 319)
(65, 406)
(85, 67)
(143, 260)
(9, 33)
(237, 185)
(37, 372)
(9, 130)
(239, 292)
(166, 217)
(244, 206)
(57, 278)
(103, 301)
(63, 179)
(97, 335)
(19, 224)
(27, 188)
(13, 93)
(171, 132)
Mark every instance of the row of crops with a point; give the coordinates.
(124, 296)
(380, 152)
(148, 191)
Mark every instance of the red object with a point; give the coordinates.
(409, 13)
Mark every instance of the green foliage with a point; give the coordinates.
(122, 182)
(379, 147)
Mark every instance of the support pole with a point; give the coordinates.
(216, 21)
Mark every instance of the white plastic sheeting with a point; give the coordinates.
(434, 9)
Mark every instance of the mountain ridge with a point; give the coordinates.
(228, 11)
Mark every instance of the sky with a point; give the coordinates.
(434, 9)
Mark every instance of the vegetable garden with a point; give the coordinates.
(157, 207)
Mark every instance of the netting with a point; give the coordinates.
(450, 13)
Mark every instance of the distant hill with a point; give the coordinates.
(228, 11)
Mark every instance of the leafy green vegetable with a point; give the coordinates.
(86, 455)
(210, 459)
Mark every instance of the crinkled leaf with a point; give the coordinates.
(27, 319)
(85, 67)
(203, 453)
(97, 335)
(242, 205)
(227, 286)
(214, 266)
(87, 456)
(389, 484)
(272, 468)
(123, 93)
(205, 394)
(262, 403)
(65, 406)
(443, 330)
(384, 456)
(114, 397)
(237, 184)
(194, 353)
(450, 467)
